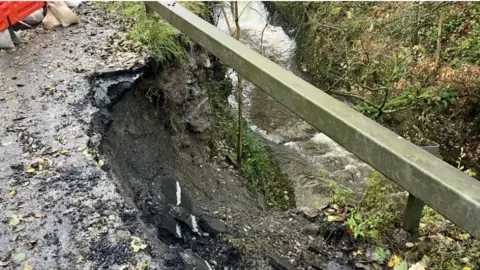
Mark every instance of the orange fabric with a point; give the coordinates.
(15, 11)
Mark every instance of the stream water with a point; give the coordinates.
(309, 158)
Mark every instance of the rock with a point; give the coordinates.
(400, 237)
(198, 125)
(197, 119)
(186, 217)
(334, 265)
(34, 164)
(311, 229)
(308, 213)
(278, 262)
(191, 261)
(218, 71)
(317, 248)
(314, 260)
(207, 63)
(212, 226)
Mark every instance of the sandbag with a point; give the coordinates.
(34, 18)
(63, 13)
(50, 21)
(73, 4)
(6, 41)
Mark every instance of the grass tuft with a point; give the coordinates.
(161, 40)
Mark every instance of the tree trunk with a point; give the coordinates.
(239, 96)
(438, 53)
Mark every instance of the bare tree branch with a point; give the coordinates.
(248, 4)
(226, 19)
(343, 94)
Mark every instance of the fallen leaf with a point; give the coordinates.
(137, 244)
(15, 220)
(27, 267)
(100, 163)
(401, 266)
(464, 236)
(65, 152)
(4, 263)
(466, 268)
(81, 148)
(34, 214)
(393, 261)
(80, 259)
(13, 192)
(417, 266)
(449, 239)
(41, 161)
(333, 218)
(30, 170)
(136, 248)
(437, 237)
(19, 257)
(410, 244)
(379, 255)
(358, 252)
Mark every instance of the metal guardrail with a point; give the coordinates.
(447, 190)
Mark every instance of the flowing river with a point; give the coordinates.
(309, 158)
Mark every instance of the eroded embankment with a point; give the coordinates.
(153, 133)
(153, 150)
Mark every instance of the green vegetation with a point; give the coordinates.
(376, 214)
(199, 8)
(413, 67)
(374, 220)
(390, 61)
(258, 164)
(160, 40)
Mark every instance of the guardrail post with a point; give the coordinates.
(148, 9)
(414, 209)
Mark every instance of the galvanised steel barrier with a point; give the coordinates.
(428, 179)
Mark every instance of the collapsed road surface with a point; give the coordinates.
(91, 177)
